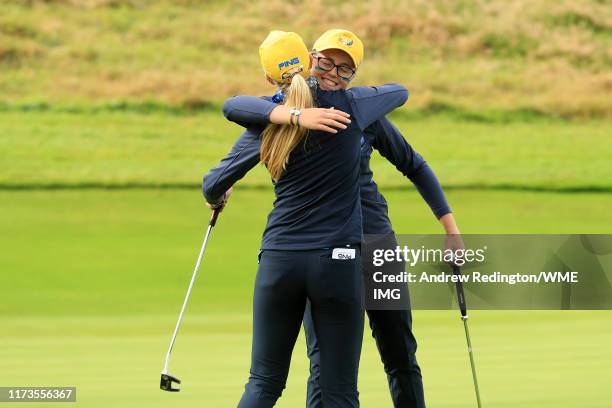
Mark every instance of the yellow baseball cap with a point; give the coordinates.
(284, 54)
(342, 40)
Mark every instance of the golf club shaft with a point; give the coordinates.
(469, 344)
(464, 317)
(193, 278)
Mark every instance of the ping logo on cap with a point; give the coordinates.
(288, 63)
(345, 40)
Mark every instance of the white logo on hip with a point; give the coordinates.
(343, 253)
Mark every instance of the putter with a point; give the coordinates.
(464, 317)
(167, 380)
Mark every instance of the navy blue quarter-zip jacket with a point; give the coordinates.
(318, 198)
(383, 136)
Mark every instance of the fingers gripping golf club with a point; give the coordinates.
(168, 380)
(464, 317)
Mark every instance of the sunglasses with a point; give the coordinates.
(326, 64)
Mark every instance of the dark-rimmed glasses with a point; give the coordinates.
(326, 64)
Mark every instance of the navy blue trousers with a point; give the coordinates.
(285, 280)
(392, 330)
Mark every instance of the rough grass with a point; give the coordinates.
(551, 57)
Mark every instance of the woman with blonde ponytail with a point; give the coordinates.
(311, 244)
(277, 141)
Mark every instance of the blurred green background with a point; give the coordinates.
(110, 115)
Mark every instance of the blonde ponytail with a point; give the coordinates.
(277, 141)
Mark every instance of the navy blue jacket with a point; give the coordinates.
(318, 197)
(383, 136)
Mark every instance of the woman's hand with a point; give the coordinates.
(325, 119)
(453, 240)
(221, 204)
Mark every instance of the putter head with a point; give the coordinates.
(166, 383)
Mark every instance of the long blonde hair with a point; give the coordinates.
(277, 141)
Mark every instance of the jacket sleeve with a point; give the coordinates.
(248, 110)
(242, 158)
(370, 103)
(388, 140)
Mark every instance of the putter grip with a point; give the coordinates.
(213, 218)
(460, 294)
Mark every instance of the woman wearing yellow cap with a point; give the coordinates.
(311, 243)
(335, 57)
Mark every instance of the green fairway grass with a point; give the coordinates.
(136, 249)
(92, 282)
(42, 149)
(526, 359)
